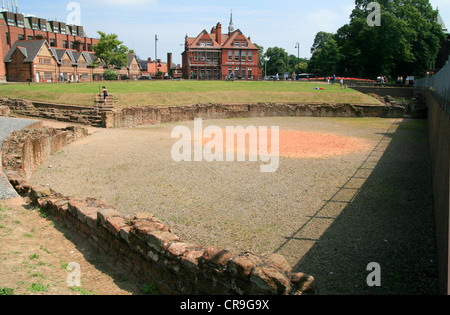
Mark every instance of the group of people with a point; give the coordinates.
(382, 79)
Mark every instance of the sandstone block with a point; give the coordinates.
(104, 214)
(278, 262)
(243, 266)
(271, 280)
(115, 224)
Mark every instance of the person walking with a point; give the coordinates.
(105, 94)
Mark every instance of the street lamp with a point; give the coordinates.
(156, 47)
(298, 47)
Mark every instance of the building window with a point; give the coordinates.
(20, 24)
(89, 47)
(236, 55)
(230, 55)
(7, 38)
(21, 37)
(243, 44)
(250, 72)
(216, 56)
(237, 44)
(35, 26)
(48, 76)
(209, 44)
(195, 56)
(30, 37)
(230, 71)
(55, 29)
(11, 22)
(202, 44)
(74, 32)
(244, 56)
(72, 45)
(63, 30)
(243, 73)
(250, 56)
(65, 44)
(44, 27)
(202, 56)
(209, 56)
(52, 42)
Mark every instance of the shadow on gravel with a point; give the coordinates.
(121, 275)
(389, 220)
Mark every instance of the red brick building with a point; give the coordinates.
(17, 27)
(218, 56)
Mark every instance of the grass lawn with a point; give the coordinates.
(135, 93)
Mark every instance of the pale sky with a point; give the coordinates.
(282, 23)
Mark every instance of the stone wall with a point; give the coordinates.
(439, 137)
(83, 115)
(4, 111)
(394, 91)
(23, 151)
(144, 115)
(142, 243)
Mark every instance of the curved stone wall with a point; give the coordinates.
(142, 243)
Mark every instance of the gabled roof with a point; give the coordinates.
(195, 42)
(132, 56)
(60, 55)
(29, 48)
(226, 40)
(231, 37)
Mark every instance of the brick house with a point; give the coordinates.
(133, 69)
(36, 61)
(18, 27)
(31, 61)
(218, 56)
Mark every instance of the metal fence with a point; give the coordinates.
(439, 84)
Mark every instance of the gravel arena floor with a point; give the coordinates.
(348, 192)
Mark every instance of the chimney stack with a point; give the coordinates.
(219, 33)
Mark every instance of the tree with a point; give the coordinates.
(278, 59)
(320, 40)
(405, 43)
(324, 61)
(111, 51)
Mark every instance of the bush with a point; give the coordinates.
(110, 74)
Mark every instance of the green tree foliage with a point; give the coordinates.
(111, 52)
(405, 43)
(326, 56)
(110, 74)
(277, 60)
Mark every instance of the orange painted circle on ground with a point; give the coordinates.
(292, 144)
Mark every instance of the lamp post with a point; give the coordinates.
(156, 47)
(298, 47)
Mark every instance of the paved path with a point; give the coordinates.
(7, 126)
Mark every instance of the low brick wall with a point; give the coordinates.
(142, 243)
(149, 248)
(83, 115)
(144, 115)
(23, 151)
(394, 91)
